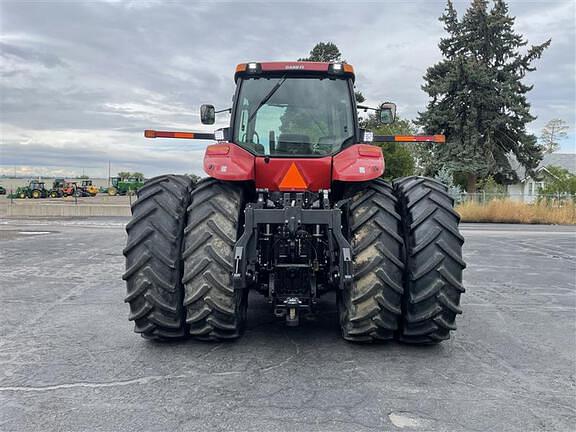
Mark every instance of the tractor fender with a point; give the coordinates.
(358, 163)
(227, 161)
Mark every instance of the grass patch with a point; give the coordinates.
(509, 211)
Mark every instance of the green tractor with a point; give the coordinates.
(127, 186)
(57, 190)
(35, 190)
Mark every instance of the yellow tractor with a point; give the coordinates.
(87, 188)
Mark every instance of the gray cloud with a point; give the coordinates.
(92, 75)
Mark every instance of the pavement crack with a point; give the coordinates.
(119, 383)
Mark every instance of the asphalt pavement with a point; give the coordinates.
(70, 361)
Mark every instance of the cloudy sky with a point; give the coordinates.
(81, 80)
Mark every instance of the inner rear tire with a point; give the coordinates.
(433, 281)
(370, 310)
(153, 258)
(215, 310)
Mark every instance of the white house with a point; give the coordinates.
(526, 189)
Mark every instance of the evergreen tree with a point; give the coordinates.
(477, 96)
(446, 177)
(324, 52)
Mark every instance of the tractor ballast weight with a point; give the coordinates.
(294, 207)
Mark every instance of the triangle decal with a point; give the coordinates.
(293, 179)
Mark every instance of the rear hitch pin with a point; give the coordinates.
(292, 304)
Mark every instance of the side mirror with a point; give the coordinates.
(207, 114)
(387, 113)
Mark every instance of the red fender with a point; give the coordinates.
(360, 162)
(227, 161)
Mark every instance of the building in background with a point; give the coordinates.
(526, 190)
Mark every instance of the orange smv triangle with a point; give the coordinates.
(292, 179)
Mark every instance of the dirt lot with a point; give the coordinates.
(71, 362)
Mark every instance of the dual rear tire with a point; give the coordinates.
(407, 261)
(406, 247)
(179, 260)
(434, 264)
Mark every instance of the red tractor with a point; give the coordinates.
(294, 208)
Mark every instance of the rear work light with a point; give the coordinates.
(339, 68)
(253, 68)
(248, 68)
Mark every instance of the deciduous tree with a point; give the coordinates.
(399, 157)
(554, 131)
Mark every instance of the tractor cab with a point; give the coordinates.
(287, 115)
(37, 185)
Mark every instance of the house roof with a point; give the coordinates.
(563, 160)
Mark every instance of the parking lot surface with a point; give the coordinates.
(70, 361)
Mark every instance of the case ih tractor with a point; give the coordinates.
(294, 208)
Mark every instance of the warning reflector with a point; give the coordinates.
(292, 179)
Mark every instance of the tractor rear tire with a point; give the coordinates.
(434, 264)
(154, 259)
(214, 309)
(370, 311)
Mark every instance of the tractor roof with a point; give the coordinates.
(294, 68)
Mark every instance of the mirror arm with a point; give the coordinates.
(223, 110)
(366, 108)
